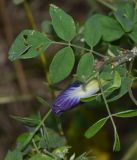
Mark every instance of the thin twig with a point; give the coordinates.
(42, 55)
(8, 28)
(18, 98)
(107, 106)
(130, 84)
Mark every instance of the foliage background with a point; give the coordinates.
(26, 78)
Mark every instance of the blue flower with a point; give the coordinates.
(70, 97)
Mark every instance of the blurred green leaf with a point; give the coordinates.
(17, 2)
(85, 66)
(41, 156)
(61, 65)
(125, 16)
(46, 27)
(63, 23)
(61, 151)
(133, 34)
(83, 156)
(89, 99)
(14, 155)
(127, 114)
(116, 146)
(92, 30)
(106, 73)
(121, 91)
(28, 44)
(116, 82)
(33, 120)
(93, 130)
(54, 140)
(43, 101)
(111, 30)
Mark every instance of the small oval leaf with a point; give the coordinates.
(116, 146)
(85, 66)
(127, 114)
(92, 30)
(63, 23)
(95, 128)
(61, 64)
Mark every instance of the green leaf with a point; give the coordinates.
(111, 30)
(43, 101)
(121, 91)
(33, 120)
(92, 30)
(61, 65)
(41, 156)
(89, 99)
(95, 128)
(61, 151)
(106, 73)
(85, 66)
(17, 2)
(28, 44)
(52, 139)
(125, 16)
(116, 146)
(46, 27)
(116, 82)
(126, 114)
(63, 23)
(133, 34)
(14, 155)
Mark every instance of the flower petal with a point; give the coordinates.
(70, 97)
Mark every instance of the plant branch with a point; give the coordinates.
(42, 55)
(35, 131)
(107, 106)
(79, 47)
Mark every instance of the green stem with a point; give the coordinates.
(79, 47)
(35, 146)
(107, 106)
(35, 131)
(130, 84)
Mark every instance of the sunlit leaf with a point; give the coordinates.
(93, 130)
